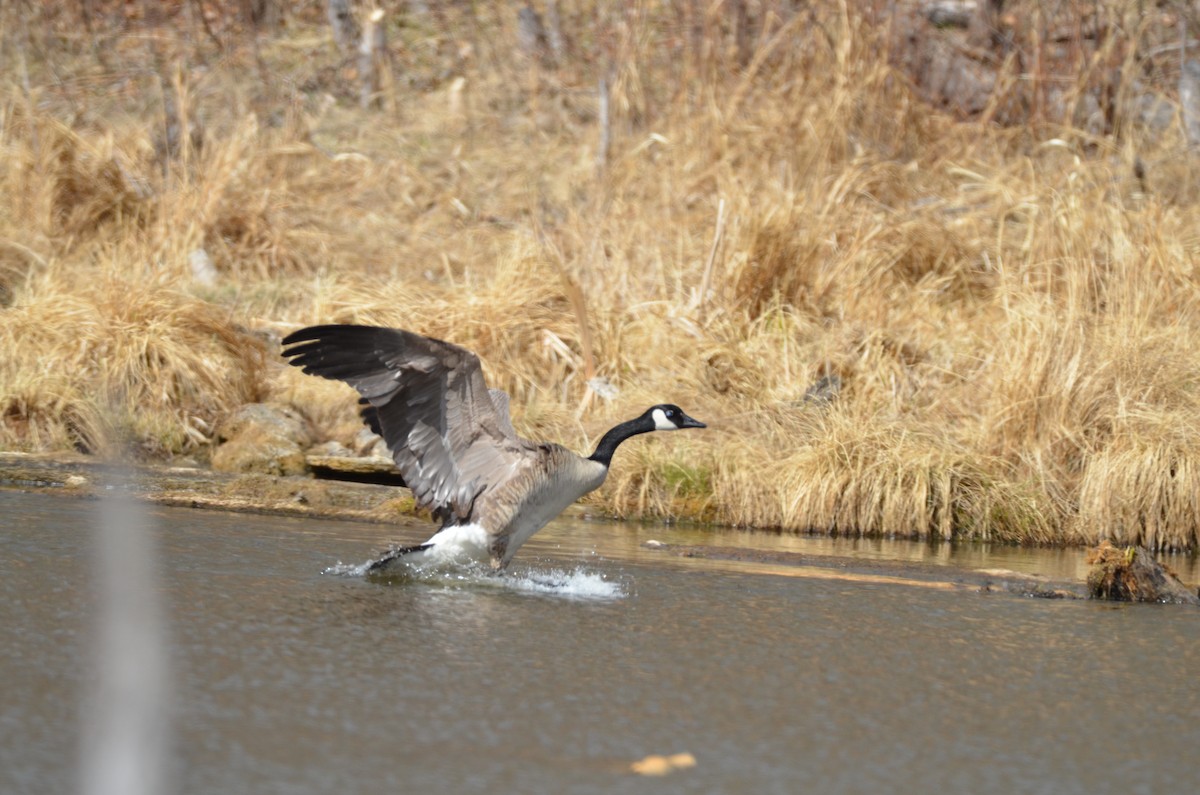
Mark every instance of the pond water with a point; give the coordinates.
(591, 654)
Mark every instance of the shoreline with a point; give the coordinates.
(296, 496)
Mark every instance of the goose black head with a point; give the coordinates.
(663, 417)
(668, 417)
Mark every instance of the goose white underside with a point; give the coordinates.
(464, 547)
(459, 545)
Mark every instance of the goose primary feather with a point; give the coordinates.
(453, 442)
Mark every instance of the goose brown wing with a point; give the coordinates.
(370, 416)
(450, 436)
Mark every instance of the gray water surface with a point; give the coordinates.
(592, 654)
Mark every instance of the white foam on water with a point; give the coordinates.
(340, 569)
(579, 583)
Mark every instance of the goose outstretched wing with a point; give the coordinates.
(450, 436)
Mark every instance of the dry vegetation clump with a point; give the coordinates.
(899, 314)
(111, 360)
(1143, 485)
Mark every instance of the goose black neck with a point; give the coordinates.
(616, 435)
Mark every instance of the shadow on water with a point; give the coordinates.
(593, 653)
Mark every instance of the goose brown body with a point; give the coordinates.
(453, 442)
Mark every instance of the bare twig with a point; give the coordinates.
(605, 125)
(706, 280)
(199, 4)
(371, 53)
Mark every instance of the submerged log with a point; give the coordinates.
(1133, 575)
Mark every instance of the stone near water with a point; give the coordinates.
(264, 438)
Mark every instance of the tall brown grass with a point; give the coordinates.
(1012, 315)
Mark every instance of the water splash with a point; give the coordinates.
(340, 569)
(578, 583)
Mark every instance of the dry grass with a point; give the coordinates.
(1012, 315)
(103, 359)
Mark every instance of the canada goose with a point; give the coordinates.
(453, 441)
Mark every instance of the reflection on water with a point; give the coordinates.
(289, 680)
(624, 541)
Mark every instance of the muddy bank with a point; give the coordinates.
(196, 487)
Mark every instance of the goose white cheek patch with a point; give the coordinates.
(661, 423)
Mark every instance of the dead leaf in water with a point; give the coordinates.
(655, 765)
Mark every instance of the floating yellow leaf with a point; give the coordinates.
(655, 765)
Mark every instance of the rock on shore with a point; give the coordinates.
(264, 438)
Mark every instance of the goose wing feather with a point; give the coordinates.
(450, 436)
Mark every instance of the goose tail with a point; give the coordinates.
(452, 546)
(390, 558)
